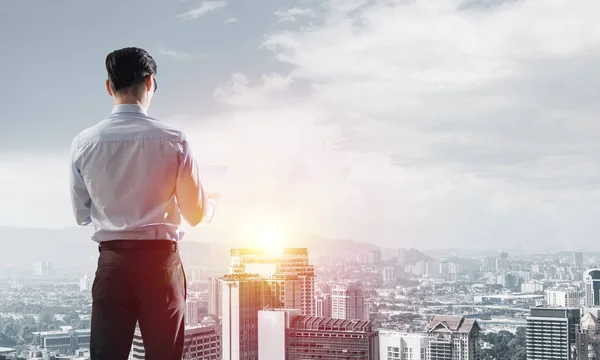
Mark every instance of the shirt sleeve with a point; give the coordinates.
(191, 197)
(80, 198)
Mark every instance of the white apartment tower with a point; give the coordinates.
(192, 308)
(394, 345)
(347, 302)
(562, 298)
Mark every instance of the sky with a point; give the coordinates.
(423, 123)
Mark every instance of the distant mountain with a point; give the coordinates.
(201, 247)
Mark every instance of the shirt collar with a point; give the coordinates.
(130, 108)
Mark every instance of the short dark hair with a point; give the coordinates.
(128, 67)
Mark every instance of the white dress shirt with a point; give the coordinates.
(133, 177)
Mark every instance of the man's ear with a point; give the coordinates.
(108, 89)
(149, 82)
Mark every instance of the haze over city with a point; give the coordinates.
(429, 124)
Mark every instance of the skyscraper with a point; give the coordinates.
(347, 302)
(43, 268)
(323, 305)
(84, 283)
(453, 337)
(290, 262)
(552, 333)
(578, 260)
(592, 287)
(214, 297)
(192, 316)
(243, 295)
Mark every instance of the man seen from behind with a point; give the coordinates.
(133, 177)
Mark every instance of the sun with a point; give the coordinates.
(270, 240)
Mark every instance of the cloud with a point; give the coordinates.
(178, 54)
(292, 14)
(205, 8)
(232, 20)
(423, 123)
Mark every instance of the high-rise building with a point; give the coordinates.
(192, 312)
(453, 337)
(214, 297)
(592, 287)
(562, 298)
(388, 274)
(347, 302)
(552, 333)
(243, 295)
(84, 283)
(323, 305)
(43, 268)
(374, 257)
(201, 342)
(578, 260)
(285, 264)
(196, 275)
(394, 345)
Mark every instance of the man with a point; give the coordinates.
(133, 177)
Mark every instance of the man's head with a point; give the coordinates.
(131, 76)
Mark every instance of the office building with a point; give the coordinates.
(562, 298)
(323, 305)
(201, 342)
(532, 287)
(592, 287)
(84, 284)
(64, 341)
(192, 312)
(311, 337)
(284, 264)
(552, 333)
(502, 263)
(394, 345)
(388, 274)
(43, 268)
(243, 295)
(454, 338)
(214, 297)
(347, 302)
(578, 260)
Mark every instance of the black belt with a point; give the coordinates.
(167, 245)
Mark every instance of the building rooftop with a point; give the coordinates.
(327, 324)
(260, 251)
(589, 322)
(457, 324)
(4, 351)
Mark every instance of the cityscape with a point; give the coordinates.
(381, 304)
(299, 180)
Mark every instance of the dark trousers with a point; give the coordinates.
(145, 286)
